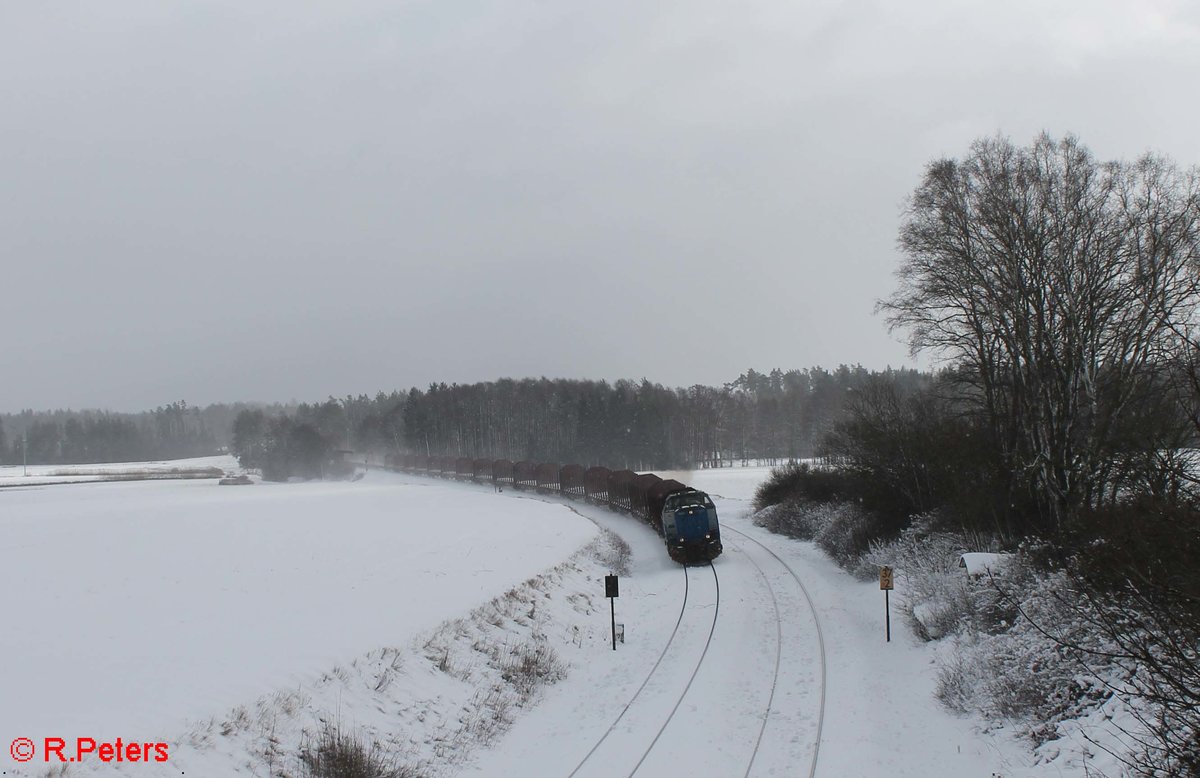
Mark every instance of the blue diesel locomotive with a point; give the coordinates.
(689, 527)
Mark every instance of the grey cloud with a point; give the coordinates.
(228, 201)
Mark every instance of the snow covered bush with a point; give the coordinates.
(842, 530)
(1020, 644)
(611, 551)
(845, 532)
(934, 594)
(1019, 676)
(800, 482)
(1139, 582)
(529, 665)
(1050, 664)
(1037, 644)
(818, 504)
(824, 505)
(794, 518)
(339, 754)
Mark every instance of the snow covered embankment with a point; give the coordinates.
(425, 708)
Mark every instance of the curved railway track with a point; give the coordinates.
(596, 748)
(812, 770)
(587, 759)
(778, 659)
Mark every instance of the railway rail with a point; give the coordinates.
(746, 541)
(820, 639)
(596, 749)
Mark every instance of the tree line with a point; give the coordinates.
(759, 416)
(172, 431)
(772, 417)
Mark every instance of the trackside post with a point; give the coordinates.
(610, 591)
(886, 583)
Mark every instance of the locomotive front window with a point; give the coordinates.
(688, 499)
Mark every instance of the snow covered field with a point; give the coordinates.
(135, 608)
(230, 621)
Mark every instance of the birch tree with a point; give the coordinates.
(1058, 284)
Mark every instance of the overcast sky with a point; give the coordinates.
(278, 199)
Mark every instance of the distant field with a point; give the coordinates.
(41, 475)
(732, 483)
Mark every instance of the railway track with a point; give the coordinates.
(779, 616)
(597, 749)
(768, 565)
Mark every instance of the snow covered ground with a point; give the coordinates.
(134, 609)
(230, 622)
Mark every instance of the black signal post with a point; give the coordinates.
(887, 583)
(610, 591)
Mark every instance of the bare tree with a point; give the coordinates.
(1058, 285)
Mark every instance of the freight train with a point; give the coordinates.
(685, 517)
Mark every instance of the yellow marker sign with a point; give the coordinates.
(885, 578)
